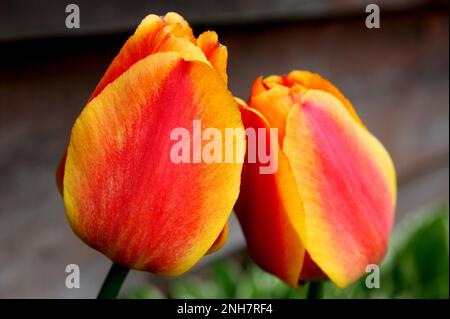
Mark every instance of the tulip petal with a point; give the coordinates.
(310, 270)
(123, 194)
(216, 53)
(314, 81)
(257, 87)
(275, 104)
(346, 180)
(270, 212)
(220, 241)
(154, 34)
(178, 26)
(60, 174)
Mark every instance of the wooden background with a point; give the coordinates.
(397, 77)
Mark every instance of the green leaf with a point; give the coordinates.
(194, 288)
(147, 292)
(418, 264)
(226, 275)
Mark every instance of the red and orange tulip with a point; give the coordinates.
(122, 193)
(328, 210)
(325, 213)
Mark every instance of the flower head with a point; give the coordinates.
(122, 193)
(328, 210)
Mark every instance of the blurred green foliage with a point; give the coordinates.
(417, 266)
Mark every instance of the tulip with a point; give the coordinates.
(327, 212)
(122, 194)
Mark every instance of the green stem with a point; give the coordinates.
(113, 281)
(314, 290)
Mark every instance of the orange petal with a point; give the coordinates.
(123, 194)
(154, 34)
(257, 87)
(274, 103)
(270, 212)
(60, 173)
(220, 241)
(273, 80)
(346, 180)
(178, 26)
(310, 270)
(216, 53)
(315, 81)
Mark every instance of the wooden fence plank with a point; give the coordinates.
(36, 18)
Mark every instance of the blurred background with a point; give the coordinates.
(397, 77)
